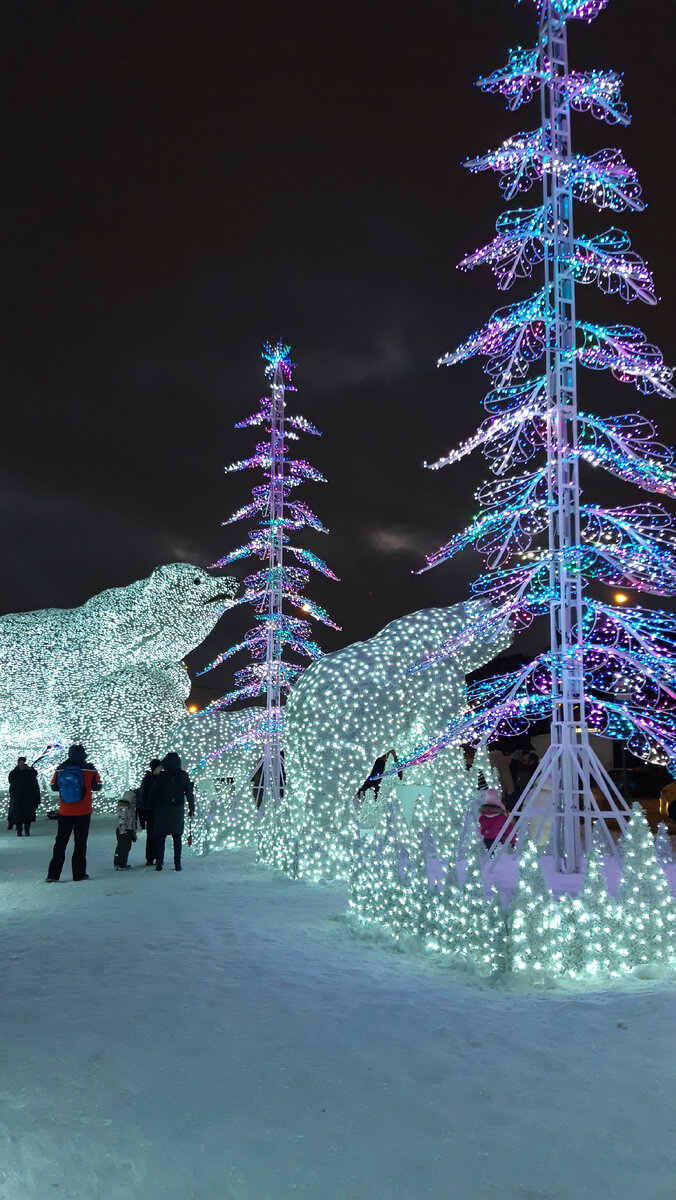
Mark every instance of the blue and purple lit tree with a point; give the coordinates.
(609, 670)
(277, 588)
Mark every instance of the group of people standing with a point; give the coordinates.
(158, 806)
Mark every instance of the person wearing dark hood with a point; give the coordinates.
(377, 771)
(74, 780)
(24, 796)
(144, 811)
(168, 795)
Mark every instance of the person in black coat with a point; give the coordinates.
(144, 811)
(375, 778)
(168, 795)
(524, 764)
(24, 796)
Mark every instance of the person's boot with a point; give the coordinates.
(178, 867)
(19, 833)
(158, 867)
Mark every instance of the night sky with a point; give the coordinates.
(184, 180)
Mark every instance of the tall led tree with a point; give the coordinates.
(609, 670)
(277, 589)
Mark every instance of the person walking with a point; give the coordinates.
(24, 796)
(168, 795)
(74, 780)
(144, 811)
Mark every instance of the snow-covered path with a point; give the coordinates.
(221, 1035)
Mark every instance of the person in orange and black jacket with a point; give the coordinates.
(74, 818)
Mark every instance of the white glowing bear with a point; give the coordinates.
(352, 706)
(108, 674)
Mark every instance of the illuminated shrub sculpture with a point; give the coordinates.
(538, 935)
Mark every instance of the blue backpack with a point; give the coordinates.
(71, 784)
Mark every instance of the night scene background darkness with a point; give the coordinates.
(184, 180)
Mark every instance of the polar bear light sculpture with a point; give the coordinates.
(107, 674)
(352, 706)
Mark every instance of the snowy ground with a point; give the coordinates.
(221, 1035)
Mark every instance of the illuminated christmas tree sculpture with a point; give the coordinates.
(608, 670)
(278, 587)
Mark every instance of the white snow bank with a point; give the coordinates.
(222, 1035)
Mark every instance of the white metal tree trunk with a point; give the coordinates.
(570, 767)
(272, 761)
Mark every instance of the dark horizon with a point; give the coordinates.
(186, 182)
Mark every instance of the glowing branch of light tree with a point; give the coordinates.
(596, 92)
(580, 10)
(512, 339)
(603, 179)
(506, 705)
(606, 259)
(628, 355)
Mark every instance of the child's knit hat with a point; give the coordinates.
(492, 799)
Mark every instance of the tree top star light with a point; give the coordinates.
(609, 669)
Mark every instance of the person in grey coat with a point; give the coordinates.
(167, 796)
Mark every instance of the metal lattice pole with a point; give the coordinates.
(272, 761)
(570, 767)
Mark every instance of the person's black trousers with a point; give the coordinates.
(124, 841)
(159, 849)
(79, 827)
(23, 827)
(150, 836)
